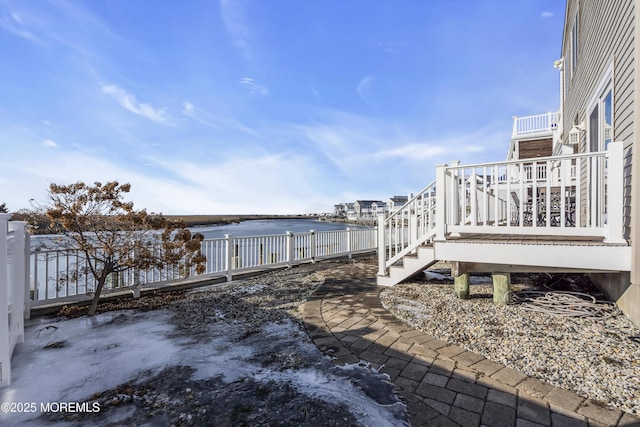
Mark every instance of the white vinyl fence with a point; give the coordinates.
(14, 242)
(59, 276)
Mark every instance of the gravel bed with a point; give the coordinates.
(596, 358)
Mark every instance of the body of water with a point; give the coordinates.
(267, 227)
(258, 227)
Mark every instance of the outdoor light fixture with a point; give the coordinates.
(574, 134)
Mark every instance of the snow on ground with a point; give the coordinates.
(71, 360)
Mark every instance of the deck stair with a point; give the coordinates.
(481, 215)
(409, 266)
(407, 238)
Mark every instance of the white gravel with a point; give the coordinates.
(598, 359)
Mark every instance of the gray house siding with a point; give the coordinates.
(606, 36)
(608, 39)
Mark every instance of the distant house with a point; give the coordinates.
(369, 208)
(565, 199)
(396, 202)
(350, 211)
(340, 210)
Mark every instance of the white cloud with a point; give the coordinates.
(546, 14)
(16, 17)
(16, 26)
(235, 22)
(129, 102)
(270, 183)
(202, 116)
(187, 108)
(49, 143)
(240, 184)
(392, 47)
(253, 88)
(414, 151)
(442, 149)
(364, 87)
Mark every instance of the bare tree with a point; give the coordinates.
(114, 237)
(3, 208)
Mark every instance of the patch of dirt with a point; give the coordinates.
(147, 302)
(173, 398)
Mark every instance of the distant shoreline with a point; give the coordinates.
(194, 220)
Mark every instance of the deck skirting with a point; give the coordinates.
(528, 257)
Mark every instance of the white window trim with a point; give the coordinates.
(574, 41)
(606, 82)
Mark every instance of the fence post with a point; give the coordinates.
(5, 353)
(18, 275)
(413, 226)
(289, 249)
(615, 194)
(349, 243)
(441, 200)
(473, 198)
(454, 203)
(312, 245)
(382, 247)
(27, 276)
(228, 256)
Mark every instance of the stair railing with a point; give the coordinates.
(407, 228)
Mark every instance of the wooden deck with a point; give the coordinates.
(530, 239)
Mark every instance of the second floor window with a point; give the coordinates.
(601, 122)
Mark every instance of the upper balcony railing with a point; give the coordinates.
(547, 122)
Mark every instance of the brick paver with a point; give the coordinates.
(442, 384)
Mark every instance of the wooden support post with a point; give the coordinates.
(501, 288)
(461, 286)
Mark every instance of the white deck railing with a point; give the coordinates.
(546, 122)
(13, 241)
(61, 275)
(571, 195)
(411, 225)
(562, 195)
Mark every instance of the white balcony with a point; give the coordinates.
(526, 126)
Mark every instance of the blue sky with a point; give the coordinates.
(272, 106)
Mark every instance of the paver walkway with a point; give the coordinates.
(443, 384)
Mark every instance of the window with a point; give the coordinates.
(600, 110)
(600, 134)
(601, 120)
(574, 43)
(594, 129)
(607, 119)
